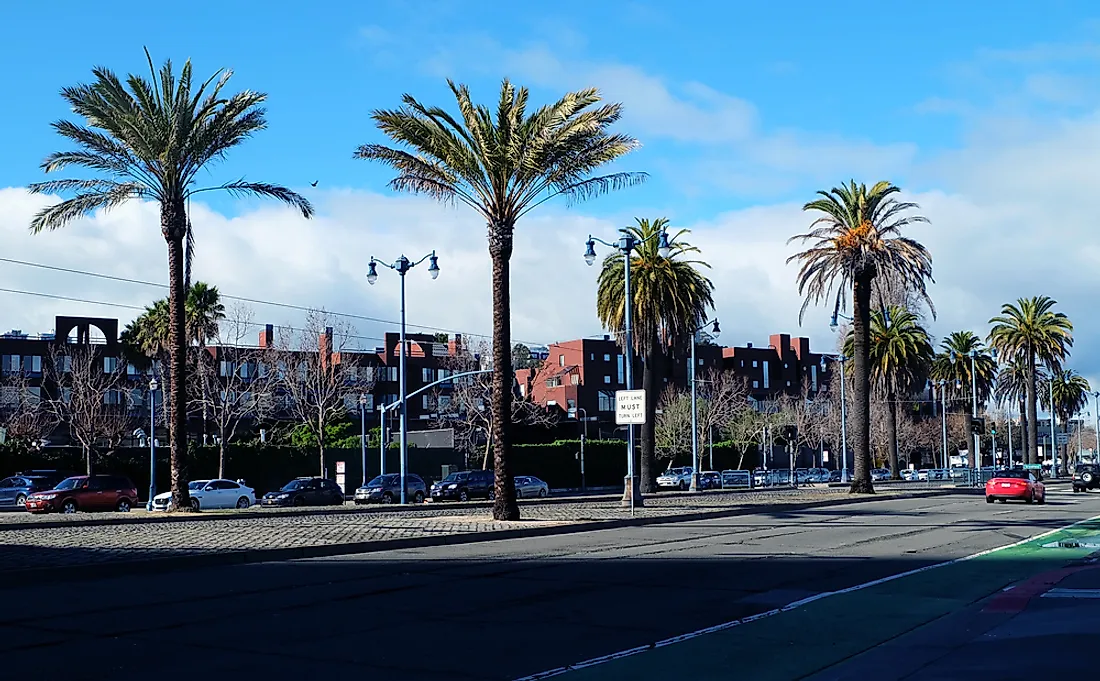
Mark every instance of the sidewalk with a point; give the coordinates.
(865, 632)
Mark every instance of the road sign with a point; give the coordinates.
(341, 467)
(1033, 466)
(629, 407)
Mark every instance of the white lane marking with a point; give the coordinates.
(592, 662)
(1072, 593)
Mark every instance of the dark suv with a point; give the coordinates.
(15, 490)
(1085, 477)
(306, 492)
(465, 486)
(86, 493)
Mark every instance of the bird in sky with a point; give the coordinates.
(314, 183)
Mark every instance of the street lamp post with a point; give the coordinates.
(943, 423)
(152, 443)
(1096, 411)
(381, 439)
(626, 245)
(402, 266)
(363, 433)
(843, 418)
(695, 459)
(1010, 452)
(1053, 435)
(584, 436)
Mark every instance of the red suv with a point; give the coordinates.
(86, 493)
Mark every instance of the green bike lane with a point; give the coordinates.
(804, 638)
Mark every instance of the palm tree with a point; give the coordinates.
(1071, 392)
(856, 238)
(503, 164)
(149, 334)
(204, 310)
(149, 139)
(670, 297)
(900, 355)
(953, 365)
(1029, 331)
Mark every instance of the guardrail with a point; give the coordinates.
(732, 479)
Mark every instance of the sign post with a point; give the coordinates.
(630, 411)
(341, 475)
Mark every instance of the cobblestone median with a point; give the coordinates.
(84, 544)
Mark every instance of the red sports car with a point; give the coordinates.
(1015, 484)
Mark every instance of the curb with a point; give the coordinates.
(70, 573)
(143, 517)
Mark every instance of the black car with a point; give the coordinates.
(1085, 477)
(710, 480)
(386, 489)
(306, 492)
(464, 486)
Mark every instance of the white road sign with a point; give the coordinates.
(629, 407)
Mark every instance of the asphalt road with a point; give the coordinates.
(497, 610)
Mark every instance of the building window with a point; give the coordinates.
(225, 368)
(561, 360)
(10, 364)
(788, 384)
(575, 379)
(369, 406)
(34, 394)
(110, 365)
(756, 384)
(425, 401)
(592, 356)
(622, 369)
(785, 365)
(767, 383)
(64, 364)
(607, 400)
(444, 402)
(522, 390)
(754, 364)
(137, 397)
(813, 377)
(571, 404)
(607, 380)
(32, 364)
(426, 375)
(553, 382)
(606, 357)
(392, 373)
(742, 364)
(112, 396)
(702, 362)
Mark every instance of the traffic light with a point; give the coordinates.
(977, 425)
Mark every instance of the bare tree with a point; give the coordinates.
(673, 427)
(721, 398)
(318, 385)
(23, 416)
(232, 382)
(92, 401)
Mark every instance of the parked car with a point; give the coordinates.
(530, 486)
(386, 489)
(759, 478)
(879, 474)
(818, 475)
(1015, 483)
(464, 486)
(15, 490)
(834, 476)
(1085, 477)
(922, 475)
(210, 494)
(306, 492)
(909, 475)
(676, 478)
(85, 493)
(710, 480)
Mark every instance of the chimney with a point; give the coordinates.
(324, 346)
(267, 336)
(607, 337)
(748, 345)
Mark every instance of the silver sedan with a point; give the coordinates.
(530, 486)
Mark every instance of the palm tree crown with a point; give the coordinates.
(1030, 327)
(669, 295)
(859, 233)
(503, 164)
(954, 365)
(901, 350)
(1071, 391)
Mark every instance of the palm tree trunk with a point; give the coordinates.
(1032, 413)
(650, 376)
(861, 390)
(892, 434)
(173, 225)
(500, 248)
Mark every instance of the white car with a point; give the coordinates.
(212, 494)
(879, 474)
(910, 475)
(676, 478)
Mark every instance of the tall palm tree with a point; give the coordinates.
(503, 164)
(953, 365)
(1031, 332)
(149, 335)
(149, 139)
(1071, 392)
(857, 237)
(670, 296)
(901, 356)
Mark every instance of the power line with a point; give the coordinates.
(242, 299)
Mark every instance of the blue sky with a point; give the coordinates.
(987, 113)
